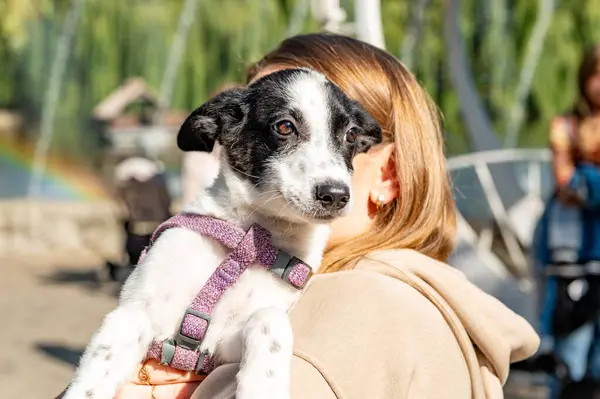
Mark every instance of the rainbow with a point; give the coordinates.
(70, 179)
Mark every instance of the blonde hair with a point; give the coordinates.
(423, 215)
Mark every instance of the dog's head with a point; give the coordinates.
(289, 138)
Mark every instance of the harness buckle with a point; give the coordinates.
(291, 270)
(297, 273)
(187, 341)
(200, 364)
(167, 352)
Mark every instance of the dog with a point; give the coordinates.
(287, 142)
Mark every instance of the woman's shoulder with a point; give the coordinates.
(375, 301)
(370, 287)
(363, 316)
(387, 277)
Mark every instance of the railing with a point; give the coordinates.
(516, 223)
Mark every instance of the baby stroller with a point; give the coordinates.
(142, 190)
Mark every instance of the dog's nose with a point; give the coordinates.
(333, 195)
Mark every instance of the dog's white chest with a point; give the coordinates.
(256, 288)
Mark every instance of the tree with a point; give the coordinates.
(111, 46)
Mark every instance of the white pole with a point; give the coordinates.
(368, 25)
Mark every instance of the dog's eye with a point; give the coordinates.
(351, 135)
(284, 128)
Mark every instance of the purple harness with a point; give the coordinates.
(183, 350)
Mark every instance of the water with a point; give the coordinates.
(14, 182)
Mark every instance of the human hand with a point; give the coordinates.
(153, 380)
(180, 390)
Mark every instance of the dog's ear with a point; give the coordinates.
(203, 127)
(371, 133)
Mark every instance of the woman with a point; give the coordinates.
(385, 318)
(141, 189)
(570, 241)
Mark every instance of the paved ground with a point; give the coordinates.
(48, 310)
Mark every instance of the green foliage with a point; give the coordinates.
(496, 33)
(117, 40)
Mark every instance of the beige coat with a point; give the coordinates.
(401, 325)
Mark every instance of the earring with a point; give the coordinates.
(380, 202)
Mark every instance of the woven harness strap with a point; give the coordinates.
(182, 351)
(225, 233)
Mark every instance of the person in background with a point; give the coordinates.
(199, 169)
(141, 189)
(568, 249)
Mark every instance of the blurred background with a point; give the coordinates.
(90, 87)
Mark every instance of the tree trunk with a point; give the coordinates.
(53, 91)
(186, 19)
(532, 57)
(413, 32)
(297, 18)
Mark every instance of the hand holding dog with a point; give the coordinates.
(165, 383)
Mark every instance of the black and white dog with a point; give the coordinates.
(288, 141)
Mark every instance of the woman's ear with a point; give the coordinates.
(202, 128)
(386, 187)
